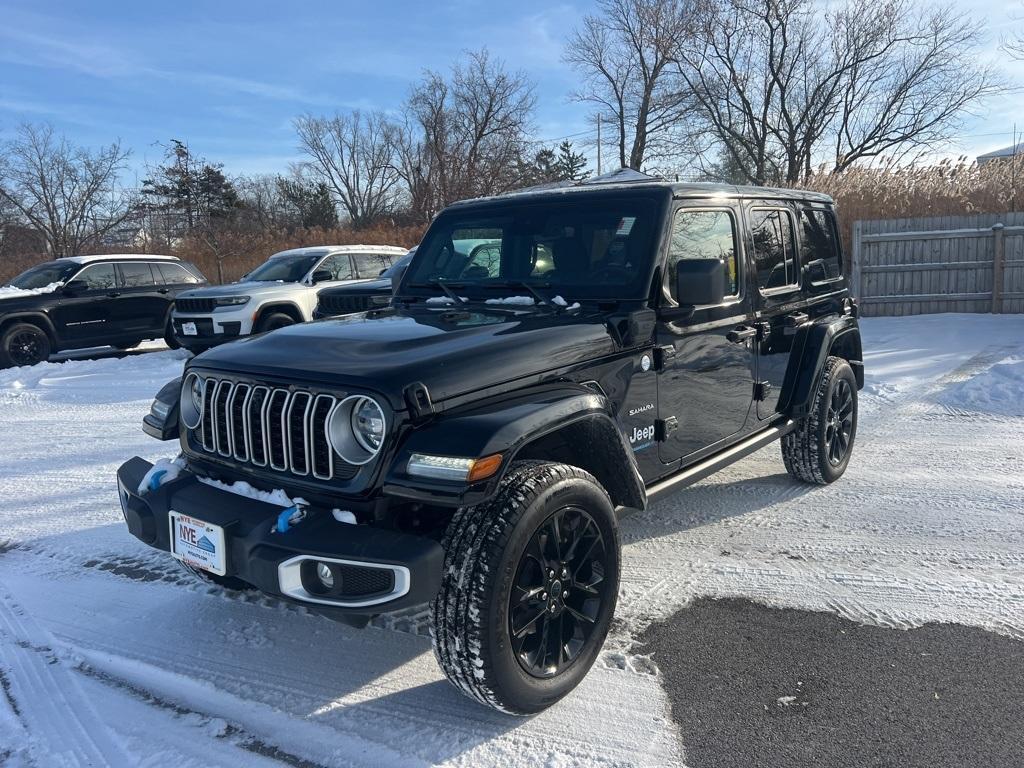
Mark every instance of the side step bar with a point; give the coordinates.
(712, 464)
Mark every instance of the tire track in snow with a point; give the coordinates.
(62, 727)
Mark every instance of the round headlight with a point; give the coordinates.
(192, 390)
(356, 429)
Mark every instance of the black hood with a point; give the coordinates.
(380, 285)
(451, 352)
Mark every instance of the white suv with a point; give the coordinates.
(279, 292)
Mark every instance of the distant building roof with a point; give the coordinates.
(999, 154)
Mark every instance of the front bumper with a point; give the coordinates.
(270, 561)
(212, 330)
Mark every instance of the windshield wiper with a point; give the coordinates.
(529, 288)
(440, 282)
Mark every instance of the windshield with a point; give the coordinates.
(398, 265)
(578, 249)
(44, 275)
(287, 269)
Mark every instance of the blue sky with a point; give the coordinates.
(229, 77)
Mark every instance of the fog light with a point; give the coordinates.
(326, 575)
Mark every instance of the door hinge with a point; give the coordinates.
(761, 390)
(665, 427)
(662, 355)
(764, 331)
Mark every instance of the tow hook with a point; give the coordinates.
(289, 518)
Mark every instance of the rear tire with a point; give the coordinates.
(819, 449)
(24, 344)
(529, 588)
(273, 321)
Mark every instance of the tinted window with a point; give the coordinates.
(136, 274)
(44, 275)
(402, 263)
(704, 235)
(819, 251)
(338, 265)
(774, 249)
(371, 264)
(287, 269)
(578, 248)
(175, 274)
(98, 277)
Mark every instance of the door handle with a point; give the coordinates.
(163, 290)
(796, 319)
(741, 333)
(114, 294)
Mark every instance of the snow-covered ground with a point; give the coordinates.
(109, 655)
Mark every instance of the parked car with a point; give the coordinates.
(281, 291)
(473, 445)
(361, 296)
(90, 301)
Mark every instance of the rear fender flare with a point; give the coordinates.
(812, 346)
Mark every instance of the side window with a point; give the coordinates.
(774, 249)
(136, 274)
(819, 249)
(98, 277)
(704, 235)
(370, 264)
(175, 274)
(339, 266)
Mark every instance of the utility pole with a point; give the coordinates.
(598, 143)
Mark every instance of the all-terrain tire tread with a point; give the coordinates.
(801, 448)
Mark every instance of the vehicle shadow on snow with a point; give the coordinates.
(710, 502)
(136, 603)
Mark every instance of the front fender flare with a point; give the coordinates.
(812, 346)
(507, 426)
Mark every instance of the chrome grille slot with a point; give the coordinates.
(321, 457)
(254, 425)
(276, 429)
(221, 431)
(283, 430)
(297, 425)
(236, 419)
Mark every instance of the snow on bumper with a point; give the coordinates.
(285, 564)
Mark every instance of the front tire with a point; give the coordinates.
(819, 449)
(529, 588)
(273, 321)
(24, 344)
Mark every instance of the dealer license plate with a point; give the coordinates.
(189, 329)
(198, 543)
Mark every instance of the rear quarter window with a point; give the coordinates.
(819, 245)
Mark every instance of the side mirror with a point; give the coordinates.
(396, 278)
(322, 276)
(700, 282)
(73, 287)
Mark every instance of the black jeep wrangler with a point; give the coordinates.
(474, 445)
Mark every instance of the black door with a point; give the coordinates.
(88, 314)
(705, 380)
(779, 299)
(144, 302)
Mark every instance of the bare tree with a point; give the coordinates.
(914, 93)
(626, 54)
(70, 194)
(777, 81)
(466, 134)
(355, 155)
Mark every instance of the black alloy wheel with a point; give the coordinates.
(839, 422)
(25, 345)
(557, 592)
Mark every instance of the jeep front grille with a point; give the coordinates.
(271, 427)
(346, 305)
(194, 305)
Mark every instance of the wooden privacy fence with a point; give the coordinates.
(941, 264)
